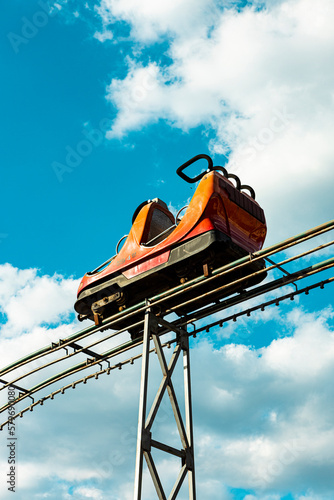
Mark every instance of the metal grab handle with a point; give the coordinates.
(249, 188)
(185, 177)
(101, 266)
(236, 179)
(120, 241)
(177, 215)
(90, 273)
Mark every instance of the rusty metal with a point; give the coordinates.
(206, 271)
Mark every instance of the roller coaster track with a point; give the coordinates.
(49, 356)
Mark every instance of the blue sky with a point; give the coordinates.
(101, 102)
(58, 86)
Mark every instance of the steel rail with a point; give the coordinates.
(275, 284)
(74, 369)
(76, 351)
(250, 294)
(244, 278)
(134, 343)
(236, 265)
(72, 385)
(60, 345)
(318, 230)
(206, 328)
(232, 266)
(66, 343)
(263, 305)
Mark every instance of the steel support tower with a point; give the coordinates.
(98, 352)
(145, 443)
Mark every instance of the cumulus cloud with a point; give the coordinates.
(150, 21)
(258, 80)
(35, 310)
(265, 404)
(254, 413)
(103, 36)
(91, 493)
(276, 49)
(28, 300)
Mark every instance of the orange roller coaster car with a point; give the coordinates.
(221, 224)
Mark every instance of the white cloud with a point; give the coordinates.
(91, 493)
(262, 406)
(260, 82)
(254, 413)
(151, 20)
(29, 300)
(103, 36)
(276, 50)
(12, 280)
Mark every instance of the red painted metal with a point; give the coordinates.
(216, 204)
(146, 265)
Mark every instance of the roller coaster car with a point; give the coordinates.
(220, 225)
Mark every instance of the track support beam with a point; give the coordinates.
(145, 443)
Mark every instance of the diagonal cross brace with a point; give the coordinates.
(166, 383)
(161, 391)
(144, 438)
